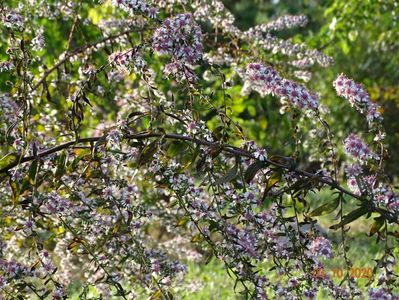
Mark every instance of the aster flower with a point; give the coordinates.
(379, 294)
(357, 96)
(6, 66)
(136, 6)
(353, 170)
(181, 38)
(38, 42)
(357, 148)
(127, 60)
(13, 19)
(266, 80)
(320, 246)
(261, 154)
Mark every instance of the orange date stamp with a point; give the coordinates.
(341, 272)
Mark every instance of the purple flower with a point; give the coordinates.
(379, 294)
(266, 80)
(179, 37)
(261, 154)
(320, 246)
(357, 148)
(357, 97)
(136, 6)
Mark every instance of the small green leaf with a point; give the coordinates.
(326, 208)
(61, 162)
(33, 171)
(273, 180)
(196, 238)
(15, 191)
(117, 226)
(352, 216)
(157, 295)
(379, 221)
(183, 221)
(230, 175)
(252, 170)
(8, 159)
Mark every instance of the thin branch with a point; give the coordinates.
(225, 148)
(81, 50)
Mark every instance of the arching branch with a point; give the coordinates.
(225, 148)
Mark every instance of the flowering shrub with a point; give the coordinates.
(113, 176)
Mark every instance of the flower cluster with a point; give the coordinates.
(55, 204)
(13, 19)
(380, 294)
(127, 60)
(320, 246)
(46, 262)
(38, 42)
(6, 66)
(217, 15)
(357, 97)
(277, 45)
(13, 269)
(357, 148)
(303, 63)
(288, 21)
(9, 110)
(158, 175)
(382, 194)
(359, 185)
(353, 170)
(179, 37)
(266, 80)
(136, 6)
(262, 79)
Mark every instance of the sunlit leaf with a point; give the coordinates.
(326, 208)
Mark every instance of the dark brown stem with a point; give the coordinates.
(225, 148)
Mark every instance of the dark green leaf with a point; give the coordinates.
(8, 159)
(147, 153)
(376, 225)
(252, 170)
(326, 208)
(352, 216)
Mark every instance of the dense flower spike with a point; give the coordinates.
(266, 80)
(357, 97)
(216, 13)
(136, 6)
(281, 23)
(358, 149)
(179, 37)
